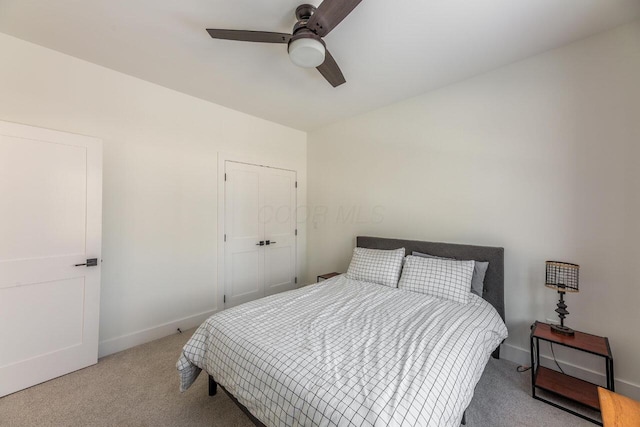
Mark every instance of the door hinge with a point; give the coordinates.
(224, 299)
(225, 237)
(296, 231)
(296, 184)
(225, 176)
(296, 280)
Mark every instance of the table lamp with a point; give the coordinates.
(563, 277)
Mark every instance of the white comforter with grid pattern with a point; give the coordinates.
(348, 353)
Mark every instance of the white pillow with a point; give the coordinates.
(441, 278)
(376, 266)
(479, 271)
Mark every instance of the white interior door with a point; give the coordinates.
(50, 211)
(279, 229)
(260, 232)
(243, 259)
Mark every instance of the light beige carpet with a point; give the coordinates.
(139, 387)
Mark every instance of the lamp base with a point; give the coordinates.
(563, 330)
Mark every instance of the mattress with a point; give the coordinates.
(347, 353)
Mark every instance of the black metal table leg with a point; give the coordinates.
(533, 368)
(613, 385)
(213, 386)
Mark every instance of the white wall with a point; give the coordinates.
(160, 181)
(541, 157)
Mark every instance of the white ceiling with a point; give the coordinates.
(387, 50)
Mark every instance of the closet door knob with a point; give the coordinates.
(261, 243)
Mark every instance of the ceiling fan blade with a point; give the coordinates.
(330, 70)
(329, 14)
(250, 36)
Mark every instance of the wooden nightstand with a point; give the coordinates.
(327, 276)
(565, 385)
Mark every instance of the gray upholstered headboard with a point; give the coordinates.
(493, 280)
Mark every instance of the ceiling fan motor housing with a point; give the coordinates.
(304, 12)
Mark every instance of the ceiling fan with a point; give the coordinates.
(305, 45)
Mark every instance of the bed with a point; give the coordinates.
(348, 352)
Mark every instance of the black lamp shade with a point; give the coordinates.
(562, 276)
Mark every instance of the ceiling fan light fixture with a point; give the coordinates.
(307, 52)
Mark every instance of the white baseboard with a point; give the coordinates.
(114, 345)
(522, 356)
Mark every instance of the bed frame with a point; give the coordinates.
(493, 280)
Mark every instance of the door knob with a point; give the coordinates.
(269, 242)
(261, 243)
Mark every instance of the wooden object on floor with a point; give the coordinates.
(618, 410)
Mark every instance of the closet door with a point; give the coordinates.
(244, 230)
(260, 232)
(279, 190)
